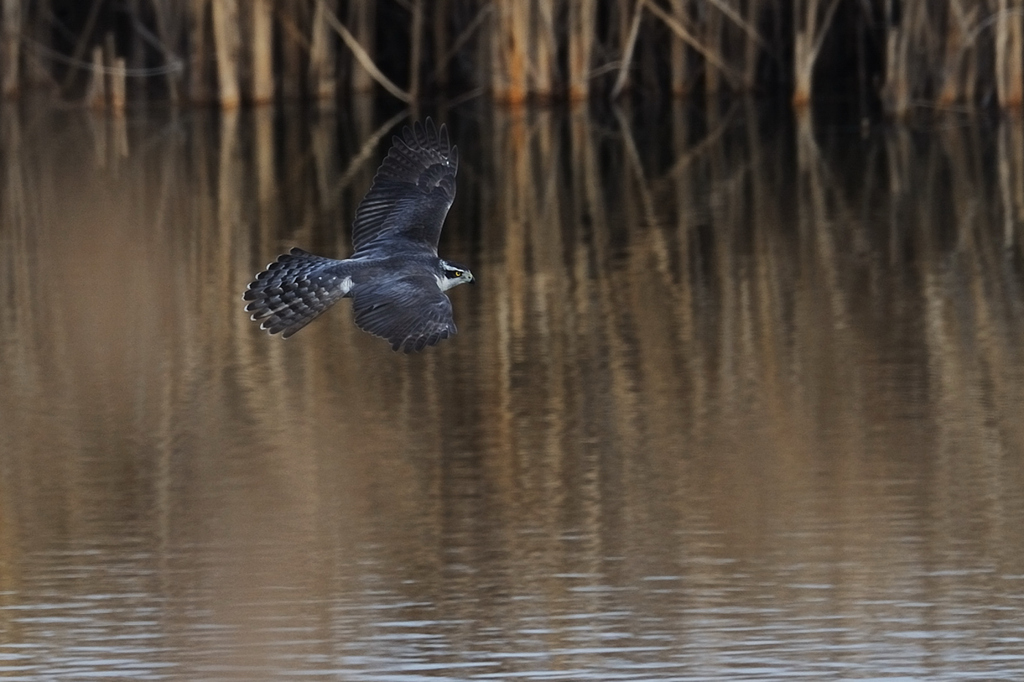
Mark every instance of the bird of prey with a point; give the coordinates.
(395, 278)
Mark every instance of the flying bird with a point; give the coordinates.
(395, 278)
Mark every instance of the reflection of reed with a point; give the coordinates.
(670, 355)
(771, 330)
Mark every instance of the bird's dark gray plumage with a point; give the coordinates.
(394, 276)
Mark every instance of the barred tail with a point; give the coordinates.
(294, 290)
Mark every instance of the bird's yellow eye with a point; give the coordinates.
(458, 273)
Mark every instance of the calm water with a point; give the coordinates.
(735, 398)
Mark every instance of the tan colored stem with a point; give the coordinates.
(225, 39)
(262, 52)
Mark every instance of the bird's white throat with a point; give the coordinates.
(444, 283)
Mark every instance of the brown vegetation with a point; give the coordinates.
(907, 53)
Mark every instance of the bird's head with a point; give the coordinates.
(454, 275)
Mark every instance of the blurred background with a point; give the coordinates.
(894, 56)
(737, 394)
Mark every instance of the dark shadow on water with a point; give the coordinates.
(736, 396)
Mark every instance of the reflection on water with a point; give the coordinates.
(734, 398)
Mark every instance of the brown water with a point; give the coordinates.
(734, 398)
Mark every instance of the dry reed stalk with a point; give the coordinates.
(808, 36)
(953, 62)
(971, 73)
(83, 40)
(896, 89)
(445, 55)
(679, 77)
(509, 43)
(753, 45)
(713, 58)
(582, 20)
(262, 52)
(361, 17)
(115, 91)
(545, 49)
(10, 55)
(363, 57)
(321, 54)
(96, 95)
(620, 22)
(714, 35)
(245, 47)
(294, 46)
(36, 69)
(929, 45)
(226, 42)
(1009, 53)
(416, 49)
(198, 57)
(117, 86)
(629, 44)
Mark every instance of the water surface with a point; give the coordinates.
(735, 397)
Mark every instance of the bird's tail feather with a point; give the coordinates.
(293, 291)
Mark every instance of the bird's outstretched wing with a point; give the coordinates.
(411, 193)
(293, 291)
(410, 312)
